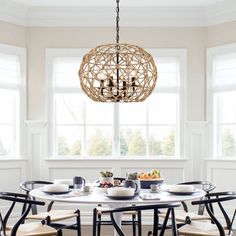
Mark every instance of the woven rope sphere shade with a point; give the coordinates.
(118, 73)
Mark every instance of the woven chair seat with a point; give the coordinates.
(197, 228)
(180, 215)
(55, 215)
(101, 209)
(33, 229)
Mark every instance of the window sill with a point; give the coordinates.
(13, 159)
(221, 159)
(116, 159)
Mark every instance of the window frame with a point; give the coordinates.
(214, 126)
(179, 53)
(21, 53)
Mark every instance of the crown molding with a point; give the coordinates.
(221, 13)
(105, 16)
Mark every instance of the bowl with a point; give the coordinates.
(181, 188)
(63, 181)
(56, 187)
(145, 183)
(100, 190)
(120, 191)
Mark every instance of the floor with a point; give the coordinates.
(108, 231)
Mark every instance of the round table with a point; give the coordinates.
(95, 197)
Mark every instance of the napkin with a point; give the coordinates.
(146, 196)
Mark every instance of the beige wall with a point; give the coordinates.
(12, 34)
(37, 39)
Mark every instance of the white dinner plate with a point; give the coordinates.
(183, 193)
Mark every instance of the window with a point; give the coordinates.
(12, 81)
(81, 127)
(222, 94)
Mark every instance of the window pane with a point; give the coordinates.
(65, 72)
(69, 140)
(99, 141)
(69, 108)
(228, 140)
(133, 113)
(162, 109)
(9, 103)
(99, 113)
(7, 140)
(9, 69)
(162, 140)
(168, 72)
(224, 70)
(227, 106)
(133, 141)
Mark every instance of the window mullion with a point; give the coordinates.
(84, 151)
(116, 131)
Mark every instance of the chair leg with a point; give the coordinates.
(78, 223)
(163, 228)
(134, 224)
(174, 226)
(118, 229)
(94, 222)
(99, 222)
(59, 232)
(155, 222)
(139, 223)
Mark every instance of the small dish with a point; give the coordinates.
(56, 193)
(182, 193)
(156, 191)
(119, 197)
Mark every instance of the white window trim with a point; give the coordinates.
(21, 52)
(181, 53)
(210, 54)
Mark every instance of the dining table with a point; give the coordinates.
(96, 197)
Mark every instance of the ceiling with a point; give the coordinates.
(134, 13)
(140, 3)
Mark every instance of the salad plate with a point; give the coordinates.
(182, 193)
(120, 197)
(56, 192)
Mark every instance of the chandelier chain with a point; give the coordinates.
(117, 21)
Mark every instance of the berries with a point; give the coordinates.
(105, 185)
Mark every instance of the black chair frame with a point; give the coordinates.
(218, 197)
(156, 207)
(25, 186)
(98, 222)
(27, 204)
(206, 186)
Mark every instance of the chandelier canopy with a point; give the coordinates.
(118, 72)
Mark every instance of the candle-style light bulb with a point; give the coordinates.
(133, 74)
(102, 76)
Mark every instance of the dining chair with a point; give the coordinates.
(181, 215)
(53, 216)
(215, 227)
(98, 213)
(156, 207)
(19, 228)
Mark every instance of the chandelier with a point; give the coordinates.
(118, 72)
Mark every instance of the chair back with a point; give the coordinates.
(217, 199)
(204, 185)
(27, 186)
(15, 198)
(155, 207)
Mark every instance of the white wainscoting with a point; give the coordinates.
(192, 166)
(223, 174)
(12, 173)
